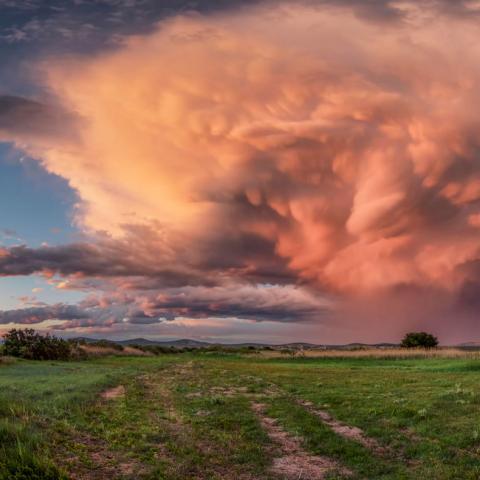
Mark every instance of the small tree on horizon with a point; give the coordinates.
(419, 340)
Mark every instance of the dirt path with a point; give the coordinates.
(344, 430)
(112, 393)
(294, 463)
(96, 461)
(176, 437)
(180, 431)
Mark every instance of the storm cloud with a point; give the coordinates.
(308, 156)
(39, 314)
(267, 303)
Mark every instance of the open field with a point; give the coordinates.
(227, 416)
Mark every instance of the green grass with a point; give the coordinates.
(190, 416)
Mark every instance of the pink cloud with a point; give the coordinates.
(321, 148)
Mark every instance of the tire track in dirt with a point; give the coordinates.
(86, 457)
(180, 431)
(113, 393)
(95, 461)
(346, 431)
(101, 462)
(295, 463)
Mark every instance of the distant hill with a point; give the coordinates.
(469, 344)
(299, 345)
(369, 345)
(184, 342)
(145, 342)
(188, 343)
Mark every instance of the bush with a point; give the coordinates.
(155, 349)
(107, 344)
(419, 340)
(33, 346)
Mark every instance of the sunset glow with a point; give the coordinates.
(279, 171)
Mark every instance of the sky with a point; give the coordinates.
(232, 171)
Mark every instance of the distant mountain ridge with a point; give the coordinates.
(189, 343)
(184, 342)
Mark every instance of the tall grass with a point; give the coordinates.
(94, 351)
(20, 454)
(393, 353)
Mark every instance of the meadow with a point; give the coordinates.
(212, 415)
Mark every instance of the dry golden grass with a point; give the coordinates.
(96, 351)
(6, 360)
(445, 352)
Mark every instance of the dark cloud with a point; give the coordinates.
(39, 314)
(28, 118)
(248, 302)
(112, 259)
(469, 296)
(143, 253)
(142, 319)
(90, 24)
(268, 303)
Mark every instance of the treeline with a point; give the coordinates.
(31, 345)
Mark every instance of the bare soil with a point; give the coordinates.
(345, 431)
(294, 462)
(112, 393)
(101, 462)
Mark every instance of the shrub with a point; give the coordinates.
(293, 352)
(107, 344)
(155, 349)
(419, 340)
(33, 346)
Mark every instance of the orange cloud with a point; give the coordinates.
(349, 147)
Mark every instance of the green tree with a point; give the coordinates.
(419, 340)
(33, 346)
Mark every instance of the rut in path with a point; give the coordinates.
(103, 463)
(112, 393)
(344, 430)
(295, 463)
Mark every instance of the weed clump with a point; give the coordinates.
(32, 470)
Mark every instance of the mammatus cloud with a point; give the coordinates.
(309, 152)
